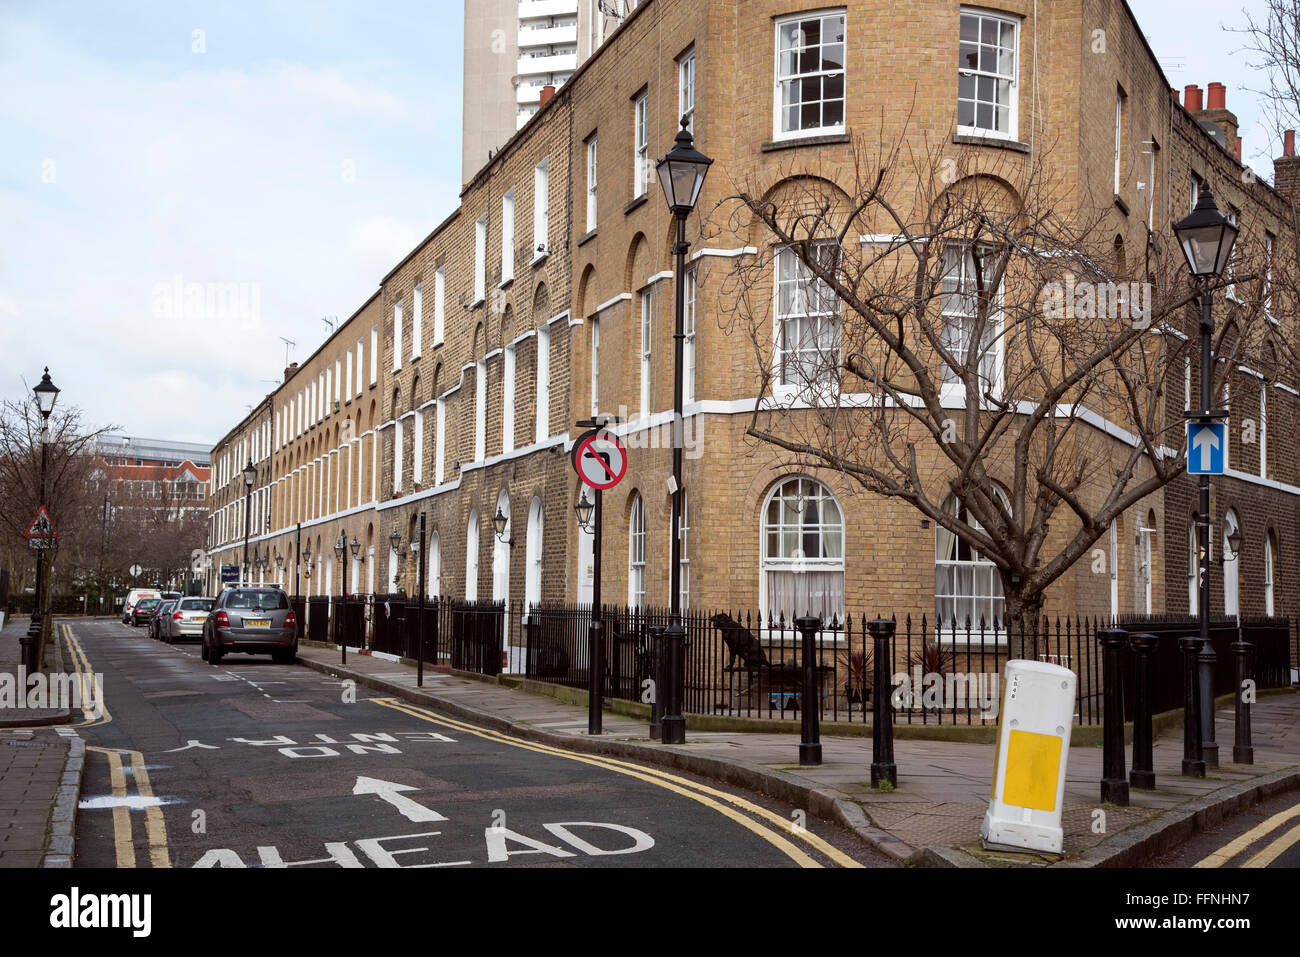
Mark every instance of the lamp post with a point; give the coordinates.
(46, 393)
(681, 174)
(589, 517)
(395, 541)
(250, 475)
(1206, 237)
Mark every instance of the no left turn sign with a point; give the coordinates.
(600, 460)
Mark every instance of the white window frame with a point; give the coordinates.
(636, 553)
(543, 397)
(508, 400)
(992, 325)
(686, 89)
(779, 132)
(417, 320)
(508, 237)
(1231, 567)
(641, 145)
(1193, 569)
(480, 260)
(688, 339)
(684, 575)
(361, 352)
(977, 563)
(1013, 104)
(417, 449)
(647, 347)
(440, 443)
(1119, 135)
(480, 411)
(1113, 559)
(592, 171)
(1263, 428)
(1269, 572)
(397, 335)
(398, 469)
(825, 309)
(439, 304)
(796, 561)
(594, 322)
(374, 356)
(471, 557)
(541, 209)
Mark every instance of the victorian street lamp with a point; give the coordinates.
(46, 393)
(681, 174)
(500, 523)
(250, 475)
(582, 509)
(1206, 237)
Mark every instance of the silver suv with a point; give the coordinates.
(251, 621)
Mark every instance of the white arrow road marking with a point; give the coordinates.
(1205, 442)
(390, 792)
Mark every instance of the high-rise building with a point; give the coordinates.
(514, 51)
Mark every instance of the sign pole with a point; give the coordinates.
(596, 634)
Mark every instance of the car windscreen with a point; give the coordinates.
(146, 604)
(258, 598)
(196, 604)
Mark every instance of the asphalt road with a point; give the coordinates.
(255, 764)
(1264, 835)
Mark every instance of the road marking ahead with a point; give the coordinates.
(702, 794)
(81, 665)
(1236, 846)
(155, 827)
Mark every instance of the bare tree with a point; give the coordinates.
(963, 336)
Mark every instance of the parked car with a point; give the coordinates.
(133, 597)
(251, 621)
(160, 615)
(143, 611)
(186, 619)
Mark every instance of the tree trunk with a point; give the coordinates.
(1024, 623)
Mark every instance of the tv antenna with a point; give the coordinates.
(330, 321)
(289, 344)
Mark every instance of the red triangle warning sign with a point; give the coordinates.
(41, 526)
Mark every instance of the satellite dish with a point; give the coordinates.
(1215, 131)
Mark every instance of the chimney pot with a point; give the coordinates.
(1174, 93)
(1288, 143)
(1218, 96)
(1192, 98)
(548, 91)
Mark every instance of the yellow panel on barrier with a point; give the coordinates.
(1033, 766)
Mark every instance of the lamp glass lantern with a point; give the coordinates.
(46, 394)
(499, 523)
(1235, 540)
(355, 546)
(583, 508)
(395, 539)
(340, 546)
(250, 473)
(1206, 237)
(682, 172)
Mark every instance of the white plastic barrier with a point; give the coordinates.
(1034, 726)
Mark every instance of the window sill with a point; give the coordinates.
(415, 358)
(636, 203)
(1121, 205)
(821, 139)
(506, 283)
(436, 344)
(586, 239)
(997, 142)
(540, 258)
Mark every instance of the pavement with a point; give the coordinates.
(933, 816)
(41, 761)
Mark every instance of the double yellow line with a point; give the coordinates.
(154, 825)
(780, 832)
(1269, 854)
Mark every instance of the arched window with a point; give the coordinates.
(1146, 571)
(685, 563)
(1270, 550)
(501, 551)
(533, 555)
(803, 552)
(435, 566)
(1193, 570)
(471, 558)
(636, 554)
(967, 586)
(1231, 603)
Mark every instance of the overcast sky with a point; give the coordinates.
(288, 152)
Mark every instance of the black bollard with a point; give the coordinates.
(1209, 747)
(1193, 762)
(1143, 774)
(883, 767)
(1243, 752)
(810, 748)
(595, 675)
(657, 674)
(1114, 786)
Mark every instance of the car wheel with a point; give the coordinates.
(203, 650)
(214, 656)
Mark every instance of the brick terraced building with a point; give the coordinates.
(548, 295)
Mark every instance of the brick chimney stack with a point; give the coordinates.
(1217, 112)
(1286, 171)
(548, 91)
(290, 370)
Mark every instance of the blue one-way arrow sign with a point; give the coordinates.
(1205, 445)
